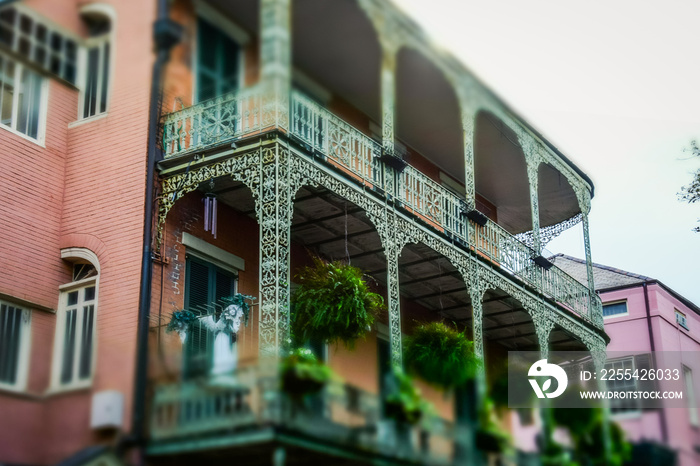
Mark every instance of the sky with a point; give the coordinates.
(615, 86)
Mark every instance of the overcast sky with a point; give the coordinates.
(615, 85)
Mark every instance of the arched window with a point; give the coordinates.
(76, 318)
(96, 60)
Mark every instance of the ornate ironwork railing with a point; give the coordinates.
(341, 414)
(213, 121)
(354, 153)
(357, 154)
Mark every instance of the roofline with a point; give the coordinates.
(652, 281)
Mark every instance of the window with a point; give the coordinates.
(96, 61)
(218, 62)
(74, 350)
(38, 42)
(681, 320)
(690, 396)
(615, 309)
(205, 284)
(14, 346)
(617, 405)
(22, 101)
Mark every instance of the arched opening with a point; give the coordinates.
(428, 122)
(559, 210)
(500, 173)
(336, 59)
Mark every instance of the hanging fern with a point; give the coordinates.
(441, 355)
(333, 303)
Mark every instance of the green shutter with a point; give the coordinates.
(206, 284)
(217, 62)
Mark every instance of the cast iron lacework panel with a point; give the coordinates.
(274, 175)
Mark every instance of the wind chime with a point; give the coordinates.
(210, 210)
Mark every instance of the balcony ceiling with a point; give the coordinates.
(501, 177)
(245, 13)
(427, 113)
(321, 223)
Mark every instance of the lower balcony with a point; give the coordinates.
(249, 415)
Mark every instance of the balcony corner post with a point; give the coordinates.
(274, 209)
(275, 61)
(533, 161)
(584, 201)
(468, 119)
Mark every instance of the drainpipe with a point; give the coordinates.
(662, 414)
(166, 33)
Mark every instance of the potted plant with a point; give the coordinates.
(441, 355)
(333, 303)
(303, 374)
(404, 403)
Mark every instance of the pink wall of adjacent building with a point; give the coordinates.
(83, 189)
(631, 333)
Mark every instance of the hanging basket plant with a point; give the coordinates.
(333, 303)
(180, 322)
(303, 374)
(441, 355)
(405, 404)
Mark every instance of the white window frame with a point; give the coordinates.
(622, 314)
(685, 325)
(43, 102)
(101, 41)
(23, 354)
(631, 411)
(83, 256)
(236, 33)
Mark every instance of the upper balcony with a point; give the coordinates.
(358, 104)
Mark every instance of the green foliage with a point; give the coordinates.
(333, 304)
(591, 446)
(691, 192)
(586, 426)
(491, 436)
(556, 455)
(180, 321)
(405, 402)
(303, 374)
(441, 355)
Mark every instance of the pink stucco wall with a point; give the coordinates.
(631, 333)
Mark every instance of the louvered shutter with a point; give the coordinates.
(197, 354)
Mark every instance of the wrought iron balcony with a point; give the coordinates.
(341, 415)
(351, 152)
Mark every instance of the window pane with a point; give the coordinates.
(69, 346)
(89, 293)
(90, 102)
(72, 298)
(7, 90)
(614, 309)
(105, 78)
(86, 340)
(29, 103)
(10, 340)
